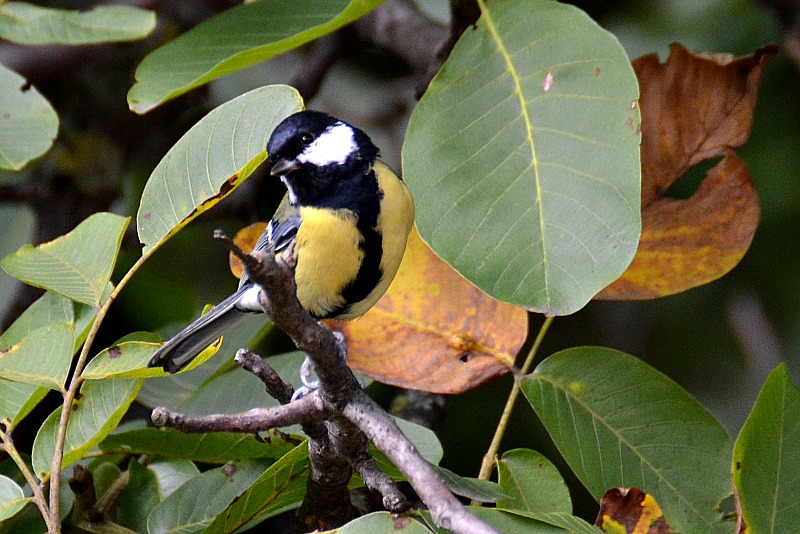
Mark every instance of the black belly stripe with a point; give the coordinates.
(369, 274)
(363, 197)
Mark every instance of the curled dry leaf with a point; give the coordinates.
(695, 107)
(245, 239)
(630, 511)
(433, 330)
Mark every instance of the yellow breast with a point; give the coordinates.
(328, 253)
(328, 258)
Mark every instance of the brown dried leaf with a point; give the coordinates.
(433, 330)
(630, 511)
(245, 239)
(694, 107)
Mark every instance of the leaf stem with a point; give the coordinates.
(54, 523)
(38, 494)
(489, 458)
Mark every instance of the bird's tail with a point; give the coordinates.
(179, 351)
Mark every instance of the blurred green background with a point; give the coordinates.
(719, 341)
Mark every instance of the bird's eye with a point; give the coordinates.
(307, 139)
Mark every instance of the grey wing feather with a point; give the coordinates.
(280, 231)
(179, 351)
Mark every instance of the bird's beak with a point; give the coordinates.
(283, 166)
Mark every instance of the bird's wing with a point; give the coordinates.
(279, 233)
(281, 230)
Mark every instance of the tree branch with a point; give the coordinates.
(349, 411)
(306, 410)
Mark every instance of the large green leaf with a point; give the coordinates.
(215, 447)
(42, 358)
(235, 39)
(195, 504)
(620, 423)
(25, 23)
(214, 156)
(535, 489)
(523, 157)
(12, 498)
(28, 123)
(78, 265)
(766, 459)
(532, 483)
(280, 488)
(96, 412)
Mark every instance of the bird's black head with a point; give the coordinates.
(312, 152)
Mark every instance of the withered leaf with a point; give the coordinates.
(630, 511)
(695, 107)
(245, 239)
(433, 330)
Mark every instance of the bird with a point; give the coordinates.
(345, 219)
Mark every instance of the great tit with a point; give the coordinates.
(346, 216)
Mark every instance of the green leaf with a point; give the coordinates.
(620, 423)
(473, 489)
(210, 160)
(48, 309)
(123, 360)
(424, 439)
(766, 459)
(383, 523)
(280, 488)
(78, 265)
(234, 39)
(504, 522)
(25, 23)
(95, 414)
(172, 474)
(17, 400)
(28, 123)
(129, 359)
(195, 504)
(532, 484)
(12, 498)
(523, 157)
(42, 358)
(213, 448)
(138, 498)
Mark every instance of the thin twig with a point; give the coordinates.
(72, 391)
(306, 410)
(276, 387)
(489, 458)
(38, 493)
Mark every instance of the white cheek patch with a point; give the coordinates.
(334, 145)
